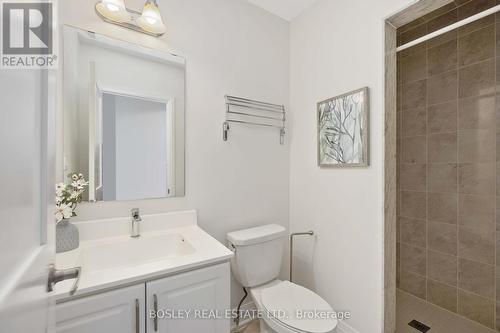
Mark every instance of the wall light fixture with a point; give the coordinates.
(149, 21)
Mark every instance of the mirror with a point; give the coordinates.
(123, 117)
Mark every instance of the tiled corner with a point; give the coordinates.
(413, 259)
(414, 149)
(413, 232)
(476, 308)
(413, 283)
(442, 295)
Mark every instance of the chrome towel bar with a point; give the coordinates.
(250, 112)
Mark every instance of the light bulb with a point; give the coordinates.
(150, 19)
(114, 10)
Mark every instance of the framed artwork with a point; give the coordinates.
(343, 124)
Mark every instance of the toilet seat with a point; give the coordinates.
(282, 300)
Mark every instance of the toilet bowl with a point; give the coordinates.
(284, 307)
(289, 308)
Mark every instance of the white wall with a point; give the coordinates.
(232, 47)
(337, 46)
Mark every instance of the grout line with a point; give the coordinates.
(446, 284)
(462, 194)
(495, 312)
(440, 252)
(458, 158)
(459, 131)
(399, 153)
(427, 172)
(451, 71)
(448, 72)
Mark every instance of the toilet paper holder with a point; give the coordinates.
(292, 236)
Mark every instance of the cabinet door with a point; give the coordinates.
(115, 311)
(198, 298)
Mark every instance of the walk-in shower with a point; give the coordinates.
(448, 188)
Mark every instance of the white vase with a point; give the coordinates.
(67, 236)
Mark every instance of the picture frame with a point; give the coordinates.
(343, 130)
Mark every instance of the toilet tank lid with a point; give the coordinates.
(256, 235)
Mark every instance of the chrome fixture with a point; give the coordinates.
(308, 233)
(155, 308)
(149, 21)
(59, 275)
(251, 112)
(136, 219)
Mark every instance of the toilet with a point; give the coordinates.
(284, 307)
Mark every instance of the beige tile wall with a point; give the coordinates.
(448, 188)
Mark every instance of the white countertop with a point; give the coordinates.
(170, 243)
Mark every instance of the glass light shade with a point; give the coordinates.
(150, 19)
(114, 10)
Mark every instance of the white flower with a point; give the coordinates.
(68, 196)
(63, 212)
(79, 184)
(60, 189)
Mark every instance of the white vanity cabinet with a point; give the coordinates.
(193, 302)
(120, 310)
(127, 310)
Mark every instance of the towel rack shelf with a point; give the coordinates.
(251, 112)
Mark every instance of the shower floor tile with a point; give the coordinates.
(439, 320)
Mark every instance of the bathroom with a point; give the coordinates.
(402, 240)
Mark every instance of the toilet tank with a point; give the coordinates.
(258, 254)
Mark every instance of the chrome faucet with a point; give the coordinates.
(136, 218)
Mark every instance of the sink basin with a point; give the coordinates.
(109, 258)
(127, 251)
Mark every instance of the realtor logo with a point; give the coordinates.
(28, 35)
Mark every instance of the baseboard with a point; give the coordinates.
(342, 327)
